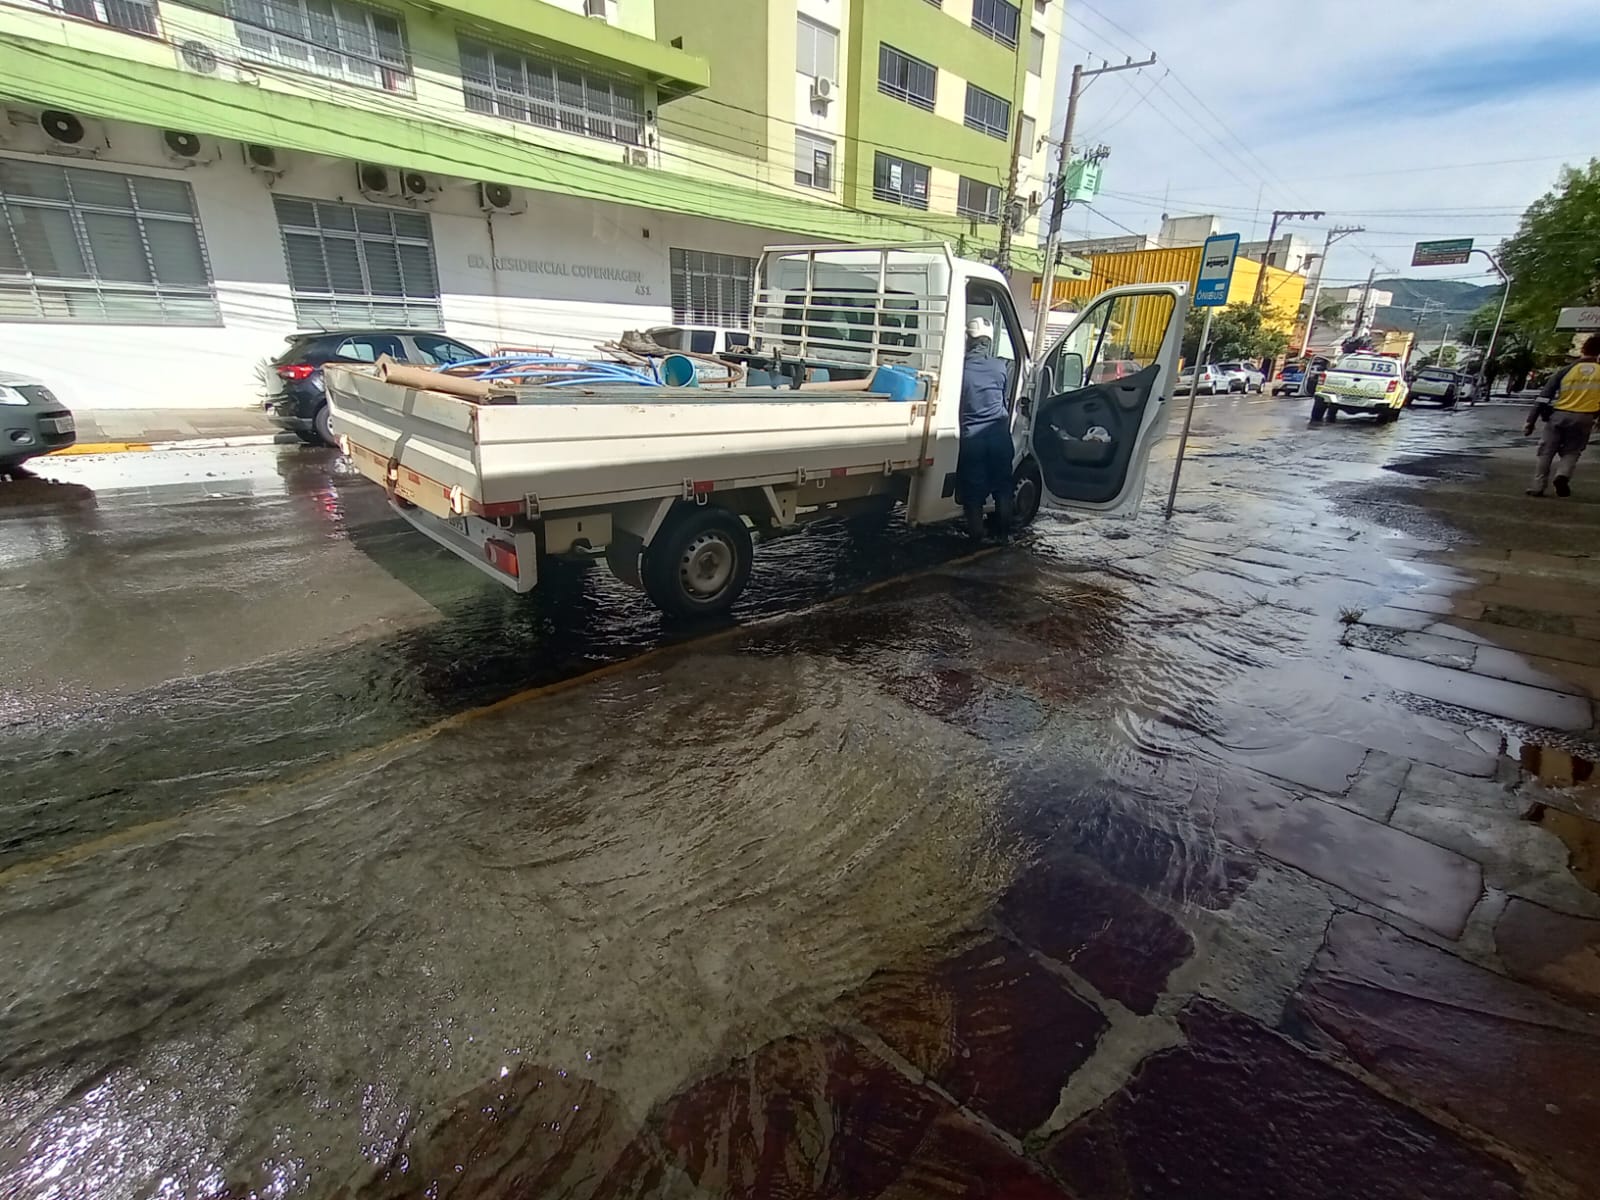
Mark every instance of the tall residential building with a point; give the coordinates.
(185, 182)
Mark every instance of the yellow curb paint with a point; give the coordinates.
(101, 448)
(132, 834)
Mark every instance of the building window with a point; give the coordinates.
(899, 181)
(1030, 137)
(997, 18)
(1036, 52)
(816, 50)
(711, 289)
(359, 265)
(906, 78)
(136, 16)
(334, 38)
(988, 113)
(85, 245)
(506, 84)
(813, 161)
(980, 201)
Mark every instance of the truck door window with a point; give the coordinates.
(1118, 337)
(989, 301)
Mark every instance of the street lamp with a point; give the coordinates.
(1505, 295)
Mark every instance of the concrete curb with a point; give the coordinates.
(94, 448)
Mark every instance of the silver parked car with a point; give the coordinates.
(32, 421)
(1212, 380)
(1242, 377)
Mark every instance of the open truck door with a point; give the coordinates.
(1100, 397)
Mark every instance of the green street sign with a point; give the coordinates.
(1449, 253)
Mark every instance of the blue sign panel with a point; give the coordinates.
(1216, 270)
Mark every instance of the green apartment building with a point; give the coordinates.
(182, 184)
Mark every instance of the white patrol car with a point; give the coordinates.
(1365, 383)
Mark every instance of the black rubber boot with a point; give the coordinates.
(974, 516)
(1005, 508)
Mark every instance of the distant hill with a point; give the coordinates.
(1460, 300)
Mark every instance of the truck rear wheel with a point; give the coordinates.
(699, 562)
(1318, 410)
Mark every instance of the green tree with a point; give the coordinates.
(1554, 258)
(1435, 358)
(1237, 331)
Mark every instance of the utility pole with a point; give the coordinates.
(1505, 294)
(1442, 341)
(1334, 234)
(1058, 188)
(1011, 214)
(1361, 309)
(1277, 216)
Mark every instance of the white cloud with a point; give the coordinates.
(1296, 81)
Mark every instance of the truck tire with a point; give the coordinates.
(1029, 493)
(1450, 398)
(699, 562)
(1318, 410)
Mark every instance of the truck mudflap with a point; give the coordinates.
(509, 557)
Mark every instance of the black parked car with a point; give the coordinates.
(296, 398)
(32, 421)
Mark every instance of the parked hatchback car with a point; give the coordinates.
(32, 420)
(1212, 380)
(295, 398)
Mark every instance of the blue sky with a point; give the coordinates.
(1417, 119)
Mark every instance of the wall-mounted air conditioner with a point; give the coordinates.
(264, 160)
(500, 198)
(186, 149)
(199, 57)
(68, 133)
(822, 89)
(595, 8)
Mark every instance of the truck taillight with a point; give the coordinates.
(295, 372)
(502, 556)
(1394, 386)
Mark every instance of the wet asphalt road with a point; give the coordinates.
(292, 899)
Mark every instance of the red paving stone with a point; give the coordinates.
(1435, 887)
(1105, 932)
(535, 1132)
(990, 1026)
(1240, 1113)
(1560, 951)
(1496, 1055)
(821, 1118)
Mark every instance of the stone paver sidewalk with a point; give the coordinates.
(108, 427)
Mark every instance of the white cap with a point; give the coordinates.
(980, 327)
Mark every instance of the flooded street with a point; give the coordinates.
(1135, 860)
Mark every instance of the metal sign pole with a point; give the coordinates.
(1188, 417)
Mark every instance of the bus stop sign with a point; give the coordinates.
(1216, 270)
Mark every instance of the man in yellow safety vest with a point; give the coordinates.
(1572, 400)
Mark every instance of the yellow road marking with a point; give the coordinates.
(134, 833)
(100, 448)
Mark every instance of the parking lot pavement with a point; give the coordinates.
(1250, 855)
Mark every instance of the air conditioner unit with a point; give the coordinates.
(378, 183)
(202, 58)
(188, 149)
(68, 133)
(635, 156)
(1035, 201)
(822, 89)
(417, 185)
(595, 8)
(263, 160)
(500, 198)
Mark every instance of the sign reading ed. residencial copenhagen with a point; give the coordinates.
(1450, 253)
(1583, 320)
(1216, 270)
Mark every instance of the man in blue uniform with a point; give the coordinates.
(984, 467)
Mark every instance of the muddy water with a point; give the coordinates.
(601, 898)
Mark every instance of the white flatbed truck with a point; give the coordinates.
(673, 486)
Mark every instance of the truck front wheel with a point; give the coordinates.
(698, 563)
(1030, 491)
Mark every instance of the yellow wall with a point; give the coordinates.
(1284, 289)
